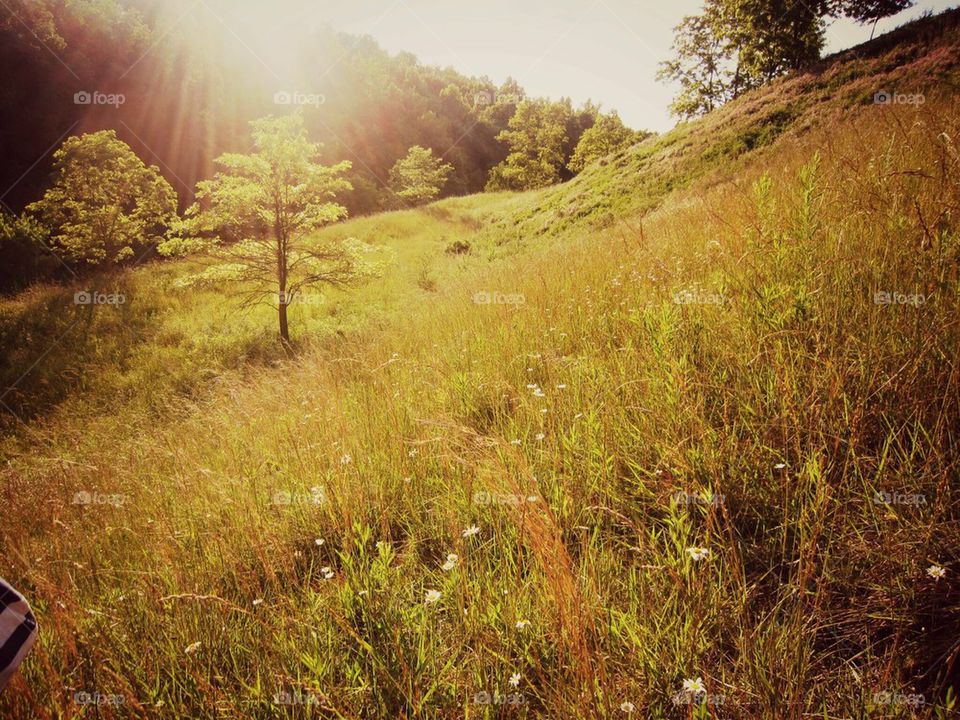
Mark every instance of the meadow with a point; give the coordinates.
(685, 427)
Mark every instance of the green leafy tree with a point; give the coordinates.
(255, 217)
(535, 136)
(733, 46)
(419, 176)
(608, 135)
(105, 204)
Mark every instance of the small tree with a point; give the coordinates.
(607, 136)
(105, 204)
(420, 176)
(256, 214)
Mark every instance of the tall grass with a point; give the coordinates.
(718, 374)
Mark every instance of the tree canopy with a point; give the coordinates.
(733, 46)
(607, 135)
(419, 176)
(257, 213)
(105, 205)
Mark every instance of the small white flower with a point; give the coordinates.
(191, 649)
(539, 393)
(627, 706)
(532, 498)
(515, 442)
(431, 596)
(698, 553)
(451, 563)
(936, 572)
(540, 436)
(413, 453)
(523, 624)
(694, 687)
(346, 459)
(515, 679)
(779, 466)
(258, 601)
(471, 531)
(327, 573)
(318, 542)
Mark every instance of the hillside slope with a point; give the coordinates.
(692, 415)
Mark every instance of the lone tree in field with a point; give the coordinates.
(105, 204)
(255, 218)
(420, 176)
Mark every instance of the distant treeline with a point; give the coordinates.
(180, 89)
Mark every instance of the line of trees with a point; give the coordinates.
(734, 46)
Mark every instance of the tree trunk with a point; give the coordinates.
(284, 330)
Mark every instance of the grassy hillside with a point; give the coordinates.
(749, 348)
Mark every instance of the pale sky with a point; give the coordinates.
(603, 50)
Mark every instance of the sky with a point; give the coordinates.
(602, 50)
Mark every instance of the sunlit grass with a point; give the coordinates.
(656, 464)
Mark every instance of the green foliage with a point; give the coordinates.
(536, 137)
(607, 136)
(733, 46)
(23, 255)
(256, 213)
(105, 205)
(419, 177)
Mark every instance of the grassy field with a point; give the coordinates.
(693, 422)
